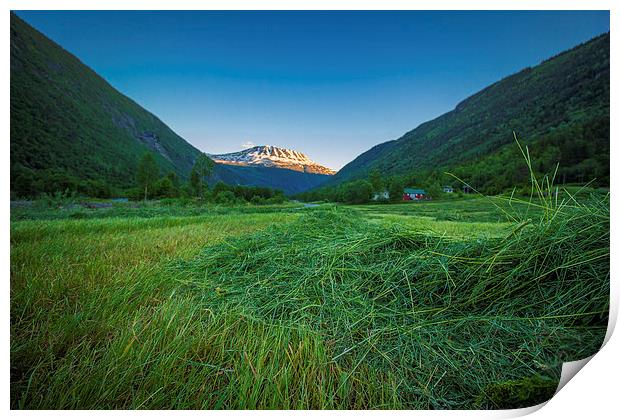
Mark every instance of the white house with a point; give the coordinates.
(382, 195)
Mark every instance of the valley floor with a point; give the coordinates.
(461, 304)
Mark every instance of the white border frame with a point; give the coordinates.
(591, 394)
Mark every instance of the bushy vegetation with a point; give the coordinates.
(28, 183)
(560, 108)
(228, 194)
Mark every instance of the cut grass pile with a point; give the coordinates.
(321, 308)
(407, 319)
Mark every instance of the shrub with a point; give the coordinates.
(257, 200)
(225, 197)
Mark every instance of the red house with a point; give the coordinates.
(413, 194)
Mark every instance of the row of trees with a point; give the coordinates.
(234, 194)
(27, 183)
(362, 190)
(169, 186)
(151, 185)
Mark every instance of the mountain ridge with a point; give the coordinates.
(272, 156)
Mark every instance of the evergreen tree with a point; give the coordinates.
(204, 165)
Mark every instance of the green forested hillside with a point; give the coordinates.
(560, 108)
(71, 130)
(68, 125)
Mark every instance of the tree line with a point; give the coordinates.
(149, 184)
(363, 190)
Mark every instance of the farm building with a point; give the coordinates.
(381, 195)
(448, 189)
(413, 194)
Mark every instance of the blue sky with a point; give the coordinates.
(329, 84)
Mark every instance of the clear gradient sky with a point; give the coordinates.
(329, 84)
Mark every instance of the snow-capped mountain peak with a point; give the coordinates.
(272, 156)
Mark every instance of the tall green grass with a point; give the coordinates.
(81, 291)
(73, 210)
(326, 308)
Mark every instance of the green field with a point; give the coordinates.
(471, 303)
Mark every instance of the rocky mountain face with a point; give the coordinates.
(273, 157)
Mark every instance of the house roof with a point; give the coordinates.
(414, 191)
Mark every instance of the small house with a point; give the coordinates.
(448, 189)
(413, 194)
(381, 195)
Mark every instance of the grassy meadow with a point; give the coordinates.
(470, 303)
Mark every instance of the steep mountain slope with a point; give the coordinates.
(272, 156)
(67, 123)
(70, 129)
(568, 90)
